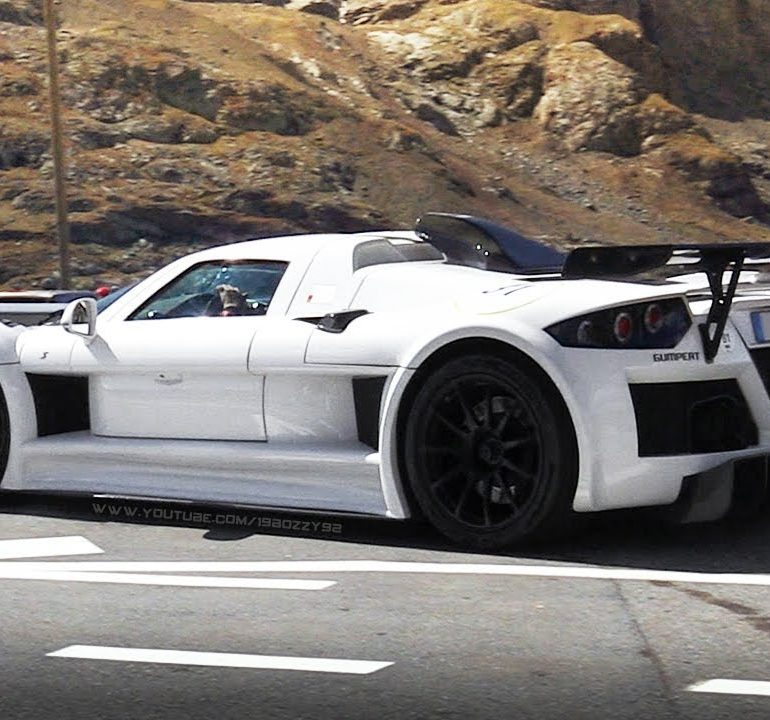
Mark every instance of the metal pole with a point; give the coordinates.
(62, 223)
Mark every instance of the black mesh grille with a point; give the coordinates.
(692, 418)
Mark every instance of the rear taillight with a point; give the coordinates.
(659, 324)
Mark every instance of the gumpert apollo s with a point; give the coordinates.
(459, 372)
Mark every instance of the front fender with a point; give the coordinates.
(22, 420)
(9, 334)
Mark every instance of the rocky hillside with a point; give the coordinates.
(197, 123)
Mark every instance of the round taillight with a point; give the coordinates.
(653, 318)
(623, 327)
(585, 332)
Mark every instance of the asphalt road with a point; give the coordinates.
(520, 639)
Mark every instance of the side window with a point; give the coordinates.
(216, 289)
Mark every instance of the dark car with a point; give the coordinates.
(30, 307)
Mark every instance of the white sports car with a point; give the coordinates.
(460, 372)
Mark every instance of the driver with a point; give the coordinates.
(232, 299)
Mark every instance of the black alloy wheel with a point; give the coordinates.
(490, 453)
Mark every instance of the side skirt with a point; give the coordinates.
(343, 477)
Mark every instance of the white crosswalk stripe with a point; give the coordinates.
(216, 659)
(732, 687)
(14, 569)
(47, 547)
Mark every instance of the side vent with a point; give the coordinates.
(367, 396)
(61, 403)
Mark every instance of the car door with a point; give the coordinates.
(177, 365)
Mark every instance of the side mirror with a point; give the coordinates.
(79, 312)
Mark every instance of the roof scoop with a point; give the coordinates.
(480, 243)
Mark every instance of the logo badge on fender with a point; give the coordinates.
(673, 357)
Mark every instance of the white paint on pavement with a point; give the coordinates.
(215, 659)
(586, 572)
(47, 547)
(732, 687)
(10, 571)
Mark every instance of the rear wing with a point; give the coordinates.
(714, 260)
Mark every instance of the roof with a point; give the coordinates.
(292, 247)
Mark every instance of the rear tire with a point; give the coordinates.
(490, 453)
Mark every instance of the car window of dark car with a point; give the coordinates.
(103, 303)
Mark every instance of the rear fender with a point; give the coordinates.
(532, 343)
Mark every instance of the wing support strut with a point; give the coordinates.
(618, 261)
(715, 263)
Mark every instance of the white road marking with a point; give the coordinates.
(9, 571)
(215, 659)
(586, 572)
(732, 687)
(47, 547)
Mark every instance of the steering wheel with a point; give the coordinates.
(200, 304)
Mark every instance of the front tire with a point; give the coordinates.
(5, 435)
(490, 452)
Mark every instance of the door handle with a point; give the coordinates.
(168, 378)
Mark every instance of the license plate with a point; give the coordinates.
(760, 322)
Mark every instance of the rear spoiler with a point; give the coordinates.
(714, 260)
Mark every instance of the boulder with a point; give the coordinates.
(271, 3)
(186, 88)
(21, 12)
(34, 201)
(431, 114)
(514, 79)
(656, 116)
(19, 85)
(361, 12)
(444, 52)
(627, 8)
(97, 135)
(268, 109)
(109, 89)
(170, 128)
(152, 129)
(720, 173)
(199, 133)
(326, 8)
(587, 100)
(22, 149)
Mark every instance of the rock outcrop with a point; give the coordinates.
(191, 123)
(589, 100)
